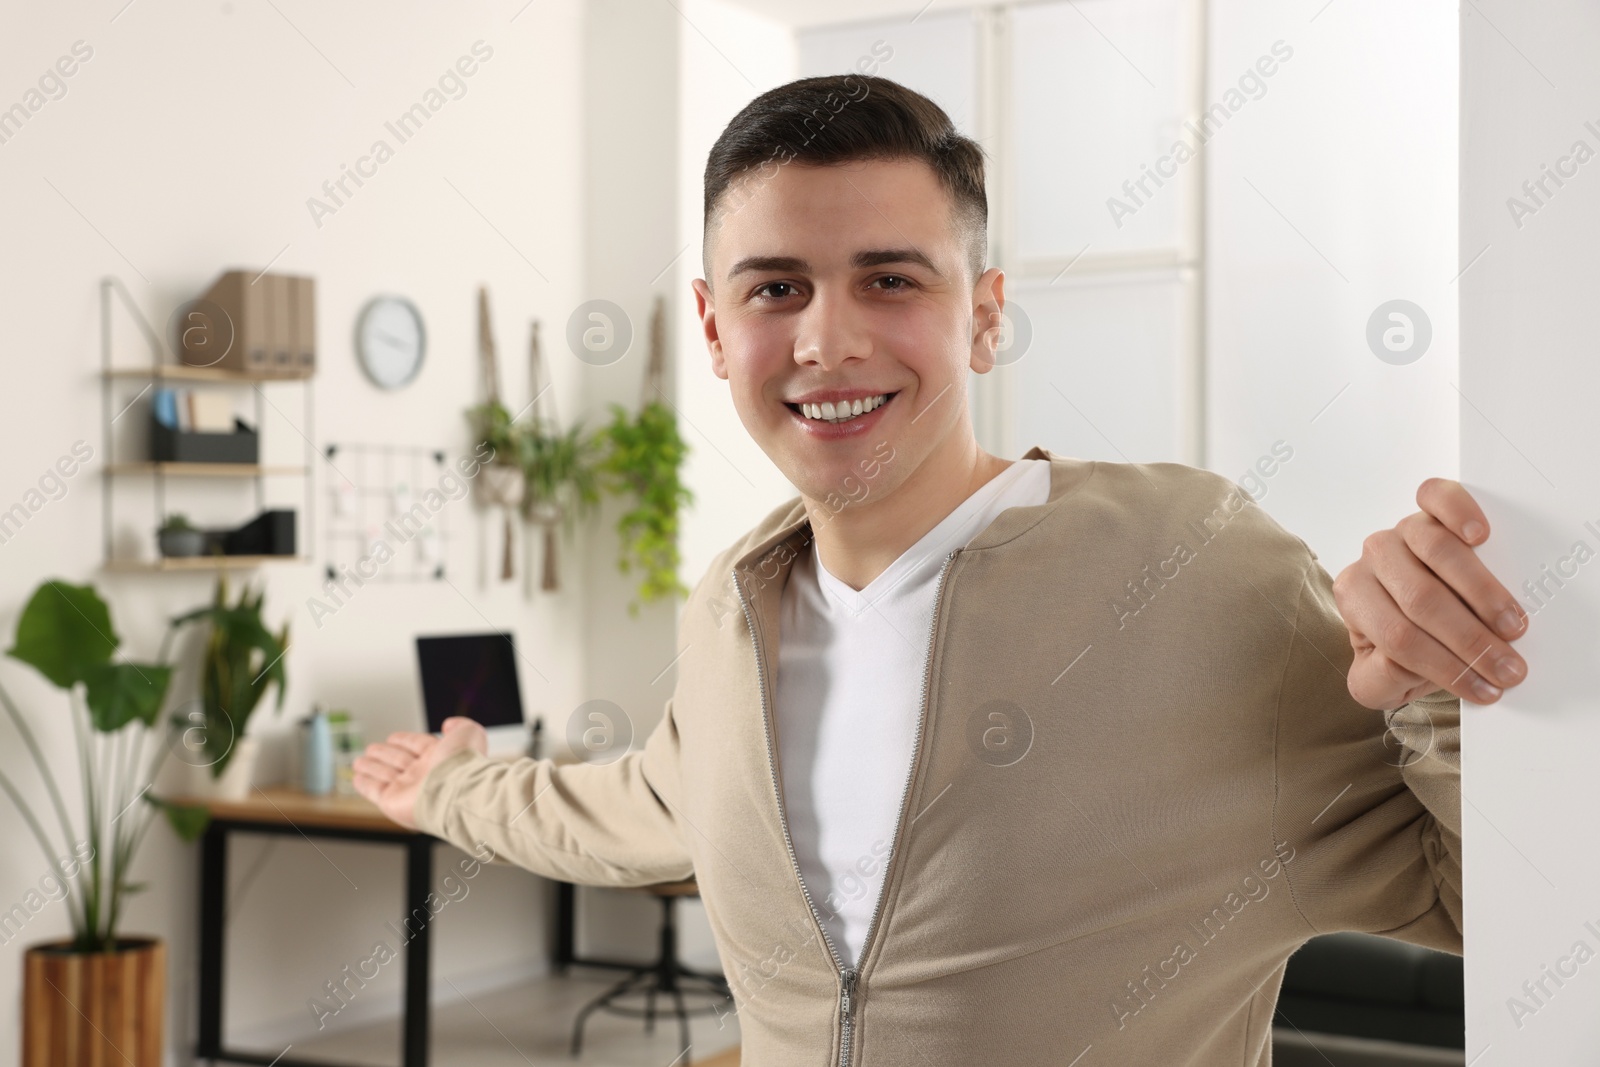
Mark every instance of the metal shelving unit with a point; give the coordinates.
(158, 472)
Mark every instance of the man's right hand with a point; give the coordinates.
(389, 773)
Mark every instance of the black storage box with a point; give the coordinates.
(270, 533)
(178, 446)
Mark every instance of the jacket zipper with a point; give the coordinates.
(848, 1000)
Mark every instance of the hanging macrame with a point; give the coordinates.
(541, 505)
(559, 467)
(500, 482)
(654, 385)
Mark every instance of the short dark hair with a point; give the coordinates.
(842, 118)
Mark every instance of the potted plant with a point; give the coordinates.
(115, 1013)
(242, 659)
(561, 482)
(643, 455)
(177, 537)
(492, 426)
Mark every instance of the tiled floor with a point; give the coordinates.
(532, 1024)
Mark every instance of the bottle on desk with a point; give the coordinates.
(344, 775)
(317, 764)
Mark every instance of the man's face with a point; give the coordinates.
(842, 283)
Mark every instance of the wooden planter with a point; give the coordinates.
(94, 1009)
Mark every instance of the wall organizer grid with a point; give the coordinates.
(373, 495)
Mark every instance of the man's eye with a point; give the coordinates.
(904, 283)
(774, 285)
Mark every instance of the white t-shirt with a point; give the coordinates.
(849, 694)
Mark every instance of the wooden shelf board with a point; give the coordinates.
(198, 563)
(180, 372)
(203, 470)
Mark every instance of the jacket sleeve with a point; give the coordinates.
(610, 824)
(1370, 801)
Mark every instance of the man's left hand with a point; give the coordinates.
(1423, 611)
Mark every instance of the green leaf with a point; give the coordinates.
(493, 424)
(643, 458)
(188, 821)
(119, 693)
(242, 659)
(64, 632)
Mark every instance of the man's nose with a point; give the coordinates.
(832, 330)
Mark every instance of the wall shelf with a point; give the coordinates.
(199, 563)
(159, 471)
(203, 470)
(182, 373)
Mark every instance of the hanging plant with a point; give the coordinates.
(492, 425)
(643, 456)
(559, 469)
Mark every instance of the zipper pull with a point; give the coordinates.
(847, 986)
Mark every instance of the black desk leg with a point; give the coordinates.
(416, 924)
(566, 921)
(213, 894)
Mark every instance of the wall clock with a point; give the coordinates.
(390, 341)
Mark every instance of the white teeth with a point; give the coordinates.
(844, 410)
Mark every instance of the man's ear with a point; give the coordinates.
(988, 300)
(707, 312)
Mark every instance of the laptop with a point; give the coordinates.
(474, 675)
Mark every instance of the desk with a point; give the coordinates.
(285, 810)
(288, 811)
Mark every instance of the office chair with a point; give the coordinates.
(665, 977)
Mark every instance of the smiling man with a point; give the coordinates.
(947, 800)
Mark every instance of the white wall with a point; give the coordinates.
(728, 57)
(937, 55)
(188, 143)
(1331, 194)
(1528, 434)
(632, 75)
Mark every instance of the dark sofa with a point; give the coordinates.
(1365, 986)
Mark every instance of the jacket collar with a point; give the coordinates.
(786, 532)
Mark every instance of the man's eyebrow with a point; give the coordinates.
(874, 257)
(764, 263)
(878, 256)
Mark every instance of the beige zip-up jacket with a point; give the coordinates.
(1140, 783)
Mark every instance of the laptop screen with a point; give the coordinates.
(474, 675)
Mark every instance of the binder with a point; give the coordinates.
(232, 306)
(249, 313)
(303, 302)
(280, 328)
